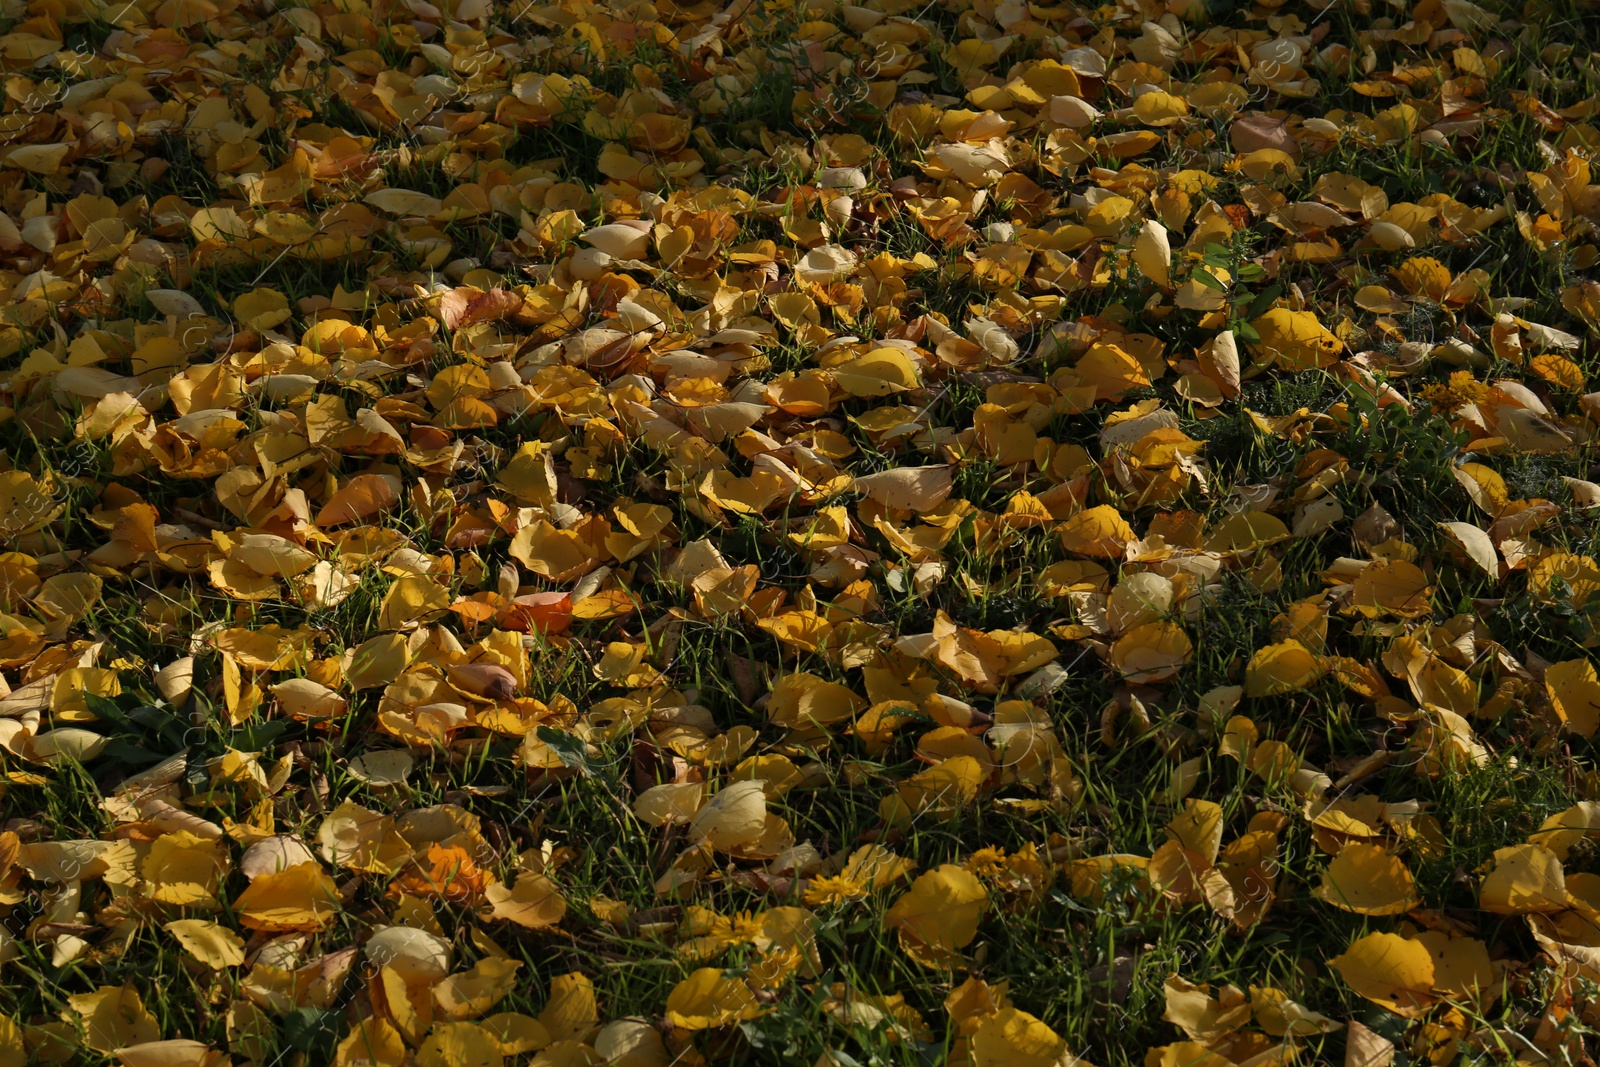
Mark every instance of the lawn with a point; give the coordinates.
(888, 535)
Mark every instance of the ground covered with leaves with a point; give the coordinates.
(969, 533)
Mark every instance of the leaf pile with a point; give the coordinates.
(676, 533)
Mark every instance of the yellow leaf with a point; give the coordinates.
(670, 803)
(1204, 1017)
(72, 685)
(69, 596)
(1574, 688)
(261, 309)
(272, 555)
(183, 869)
(305, 699)
(1561, 832)
(1152, 252)
(707, 999)
(534, 901)
(1462, 970)
(112, 1017)
(1368, 880)
(1524, 879)
(941, 789)
(13, 1052)
(1476, 544)
(1485, 486)
(1389, 971)
(375, 662)
(38, 158)
(1152, 652)
(359, 499)
(372, 1041)
(1198, 828)
(299, 898)
(919, 489)
(459, 1044)
(556, 554)
(878, 373)
(474, 991)
(1013, 1038)
(631, 1043)
(1281, 668)
(26, 504)
(412, 600)
(1098, 531)
(517, 1033)
(1158, 108)
(1280, 1016)
(1185, 1054)
(176, 1052)
(1392, 587)
(218, 224)
(939, 915)
(570, 1013)
(734, 818)
(744, 496)
(1296, 340)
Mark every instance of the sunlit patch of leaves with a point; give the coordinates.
(786, 533)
